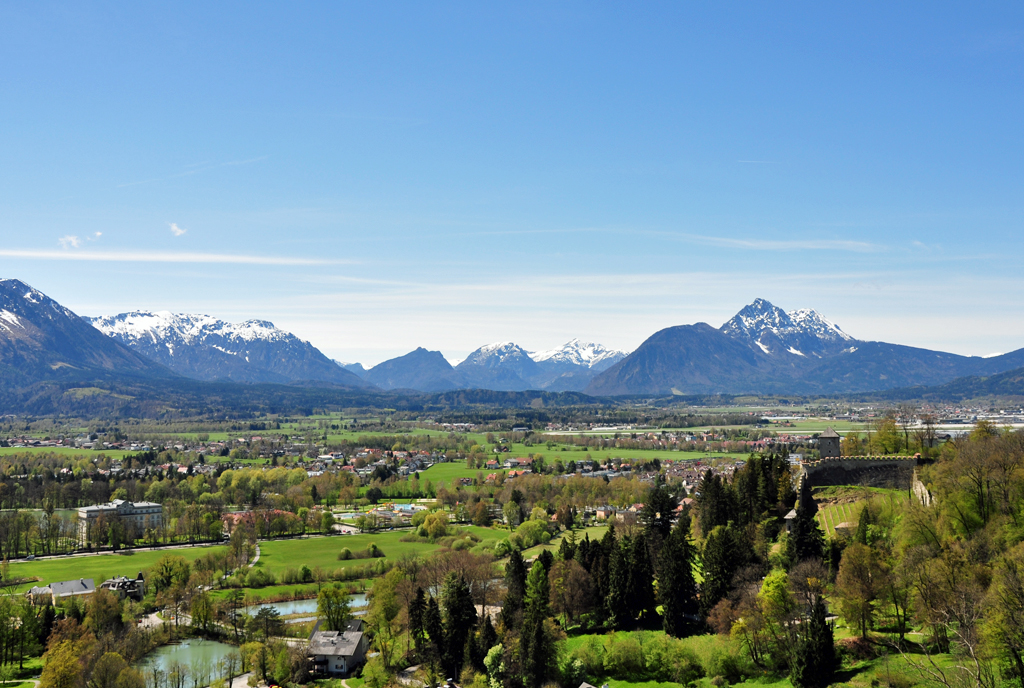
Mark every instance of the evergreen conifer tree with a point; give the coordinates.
(435, 631)
(677, 589)
(815, 662)
(515, 585)
(616, 600)
(536, 646)
(806, 540)
(722, 557)
(640, 589)
(417, 610)
(458, 616)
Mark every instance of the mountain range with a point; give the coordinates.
(503, 366)
(761, 350)
(205, 348)
(766, 350)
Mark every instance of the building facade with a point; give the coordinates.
(135, 516)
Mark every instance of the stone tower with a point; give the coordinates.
(828, 444)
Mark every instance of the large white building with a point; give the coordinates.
(141, 515)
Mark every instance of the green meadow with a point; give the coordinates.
(99, 567)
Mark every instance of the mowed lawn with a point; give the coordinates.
(278, 555)
(99, 567)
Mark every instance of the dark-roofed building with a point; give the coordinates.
(828, 444)
(123, 586)
(338, 653)
(62, 590)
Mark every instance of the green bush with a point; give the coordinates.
(591, 654)
(345, 554)
(258, 578)
(624, 659)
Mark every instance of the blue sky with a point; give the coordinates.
(376, 177)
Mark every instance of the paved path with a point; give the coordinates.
(257, 558)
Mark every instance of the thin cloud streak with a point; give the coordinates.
(725, 242)
(198, 168)
(168, 257)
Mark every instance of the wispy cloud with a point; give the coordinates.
(786, 244)
(195, 169)
(176, 230)
(162, 257)
(725, 242)
(68, 241)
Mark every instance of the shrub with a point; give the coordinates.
(258, 578)
(345, 554)
(591, 654)
(624, 658)
(374, 551)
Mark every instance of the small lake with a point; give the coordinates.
(193, 653)
(303, 606)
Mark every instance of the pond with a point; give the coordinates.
(196, 654)
(303, 606)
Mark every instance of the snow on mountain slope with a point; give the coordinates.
(810, 320)
(42, 340)
(800, 333)
(582, 354)
(206, 348)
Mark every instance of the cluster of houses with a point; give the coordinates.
(61, 591)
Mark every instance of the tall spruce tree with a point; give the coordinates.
(458, 616)
(677, 588)
(435, 631)
(722, 557)
(617, 601)
(515, 587)
(640, 589)
(417, 610)
(806, 540)
(536, 646)
(815, 662)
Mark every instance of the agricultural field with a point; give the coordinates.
(99, 567)
(832, 515)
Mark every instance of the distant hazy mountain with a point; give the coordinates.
(426, 371)
(502, 366)
(354, 368)
(766, 350)
(205, 348)
(42, 340)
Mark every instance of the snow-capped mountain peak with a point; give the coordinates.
(585, 354)
(802, 332)
(496, 354)
(186, 328)
(205, 347)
